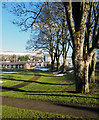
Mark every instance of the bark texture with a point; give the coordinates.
(82, 20)
(80, 61)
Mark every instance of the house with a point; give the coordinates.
(22, 65)
(14, 65)
(26, 66)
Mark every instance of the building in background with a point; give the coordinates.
(37, 58)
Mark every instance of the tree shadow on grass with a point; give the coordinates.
(50, 83)
(52, 75)
(59, 95)
(15, 79)
(47, 75)
(46, 93)
(32, 80)
(91, 109)
(70, 105)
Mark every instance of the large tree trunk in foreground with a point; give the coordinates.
(80, 71)
(81, 75)
(78, 12)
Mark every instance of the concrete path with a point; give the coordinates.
(77, 111)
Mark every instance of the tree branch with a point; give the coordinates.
(68, 8)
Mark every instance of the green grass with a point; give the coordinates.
(46, 88)
(16, 78)
(19, 113)
(51, 88)
(12, 112)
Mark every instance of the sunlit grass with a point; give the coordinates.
(51, 88)
(15, 78)
(12, 112)
(47, 88)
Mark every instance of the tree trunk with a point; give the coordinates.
(64, 61)
(78, 15)
(81, 64)
(79, 74)
(58, 63)
(52, 65)
(86, 71)
(92, 69)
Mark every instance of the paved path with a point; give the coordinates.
(50, 107)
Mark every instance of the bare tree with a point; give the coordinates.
(50, 37)
(84, 37)
(77, 14)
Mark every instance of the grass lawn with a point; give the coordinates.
(12, 112)
(47, 88)
(15, 78)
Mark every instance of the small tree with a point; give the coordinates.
(23, 58)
